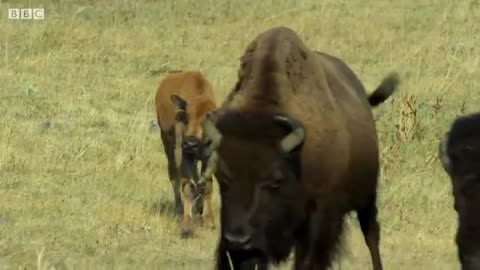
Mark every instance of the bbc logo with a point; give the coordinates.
(26, 13)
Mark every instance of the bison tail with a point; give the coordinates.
(384, 90)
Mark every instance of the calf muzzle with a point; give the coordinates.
(191, 145)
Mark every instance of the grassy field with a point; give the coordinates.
(83, 181)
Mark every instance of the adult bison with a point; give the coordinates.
(297, 149)
(182, 101)
(459, 153)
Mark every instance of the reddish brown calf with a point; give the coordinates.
(182, 101)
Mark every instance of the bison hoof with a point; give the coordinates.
(186, 234)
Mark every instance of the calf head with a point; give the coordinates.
(189, 139)
(258, 172)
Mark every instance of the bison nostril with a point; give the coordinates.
(240, 240)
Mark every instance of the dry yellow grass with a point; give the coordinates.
(90, 190)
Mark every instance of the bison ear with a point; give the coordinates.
(179, 102)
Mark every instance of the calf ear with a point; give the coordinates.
(181, 117)
(179, 102)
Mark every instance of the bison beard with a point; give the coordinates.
(240, 259)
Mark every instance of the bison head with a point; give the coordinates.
(459, 154)
(258, 171)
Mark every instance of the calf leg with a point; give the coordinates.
(188, 194)
(207, 204)
(168, 145)
(187, 200)
(367, 217)
(199, 201)
(207, 188)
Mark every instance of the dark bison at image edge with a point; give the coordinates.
(459, 153)
(183, 99)
(297, 150)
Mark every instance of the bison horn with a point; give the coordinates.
(294, 138)
(443, 154)
(211, 132)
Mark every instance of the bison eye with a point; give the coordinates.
(273, 185)
(223, 180)
(223, 186)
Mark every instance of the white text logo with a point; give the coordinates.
(26, 13)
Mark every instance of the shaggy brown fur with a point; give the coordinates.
(182, 101)
(297, 150)
(459, 153)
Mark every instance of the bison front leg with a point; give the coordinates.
(187, 201)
